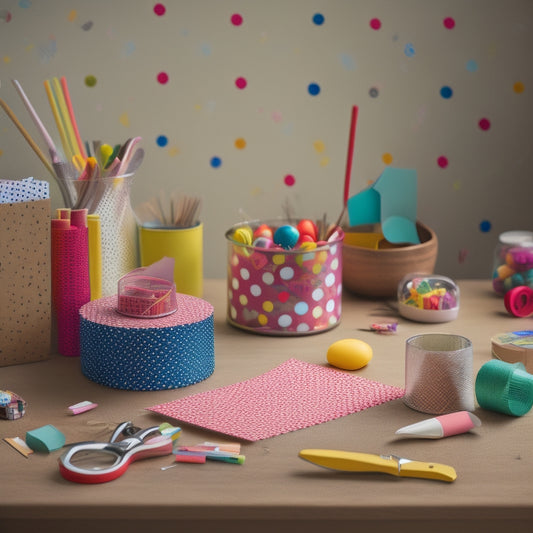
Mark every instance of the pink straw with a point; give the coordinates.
(351, 144)
(66, 95)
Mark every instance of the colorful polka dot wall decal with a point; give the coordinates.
(72, 15)
(409, 50)
(318, 19)
(375, 24)
(348, 62)
(519, 87)
(485, 226)
(215, 162)
(162, 140)
(5, 15)
(124, 119)
(373, 92)
(449, 23)
(162, 78)
(160, 10)
(236, 19)
(313, 89)
(241, 83)
(471, 65)
(446, 92)
(319, 146)
(442, 161)
(386, 158)
(90, 80)
(484, 124)
(240, 143)
(289, 180)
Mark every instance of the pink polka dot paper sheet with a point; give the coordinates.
(294, 395)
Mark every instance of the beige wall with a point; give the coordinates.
(394, 74)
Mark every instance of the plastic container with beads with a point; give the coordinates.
(167, 352)
(284, 288)
(513, 261)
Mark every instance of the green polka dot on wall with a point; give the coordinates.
(90, 80)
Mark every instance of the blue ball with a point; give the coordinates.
(286, 237)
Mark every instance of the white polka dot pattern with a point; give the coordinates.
(284, 292)
(292, 396)
(118, 232)
(147, 354)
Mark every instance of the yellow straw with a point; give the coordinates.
(95, 256)
(65, 117)
(59, 124)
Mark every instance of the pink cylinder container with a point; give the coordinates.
(275, 290)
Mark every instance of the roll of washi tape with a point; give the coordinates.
(504, 387)
(514, 347)
(519, 301)
(170, 352)
(70, 278)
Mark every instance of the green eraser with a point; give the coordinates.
(45, 439)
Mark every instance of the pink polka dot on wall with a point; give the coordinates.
(162, 78)
(241, 83)
(236, 19)
(484, 124)
(289, 180)
(159, 10)
(442, 161)
(375, 24)
(449, 23)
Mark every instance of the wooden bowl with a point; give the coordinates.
(377, 273)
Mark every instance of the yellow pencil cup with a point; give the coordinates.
(185, 245)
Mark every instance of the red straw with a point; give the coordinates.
(351, 143)
(66, 95)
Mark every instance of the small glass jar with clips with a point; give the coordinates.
(513, 261)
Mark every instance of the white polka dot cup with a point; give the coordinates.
(276, 291)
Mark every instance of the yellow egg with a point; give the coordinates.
(349, 354)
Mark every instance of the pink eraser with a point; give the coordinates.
(81, 407)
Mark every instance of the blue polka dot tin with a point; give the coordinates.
(284, 284)
(170, 352)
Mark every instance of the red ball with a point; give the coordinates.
(264, 230)
(308, 227)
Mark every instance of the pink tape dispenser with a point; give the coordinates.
(148, 292)
(519, 301)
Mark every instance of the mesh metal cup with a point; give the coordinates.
(439, 374)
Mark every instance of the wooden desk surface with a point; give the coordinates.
(274, 490)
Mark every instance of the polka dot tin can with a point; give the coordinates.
(141, 354)
(272, 290)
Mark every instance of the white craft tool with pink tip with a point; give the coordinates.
(441, 426)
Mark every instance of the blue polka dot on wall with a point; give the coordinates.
(313, 89)
(485, 226)
(318, 19)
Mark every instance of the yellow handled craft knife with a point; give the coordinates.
(387, 464)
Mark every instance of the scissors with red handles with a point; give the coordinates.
(109, 460)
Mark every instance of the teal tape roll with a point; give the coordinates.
(504, 387)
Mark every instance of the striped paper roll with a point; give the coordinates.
(70, 278)
(170, 352)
